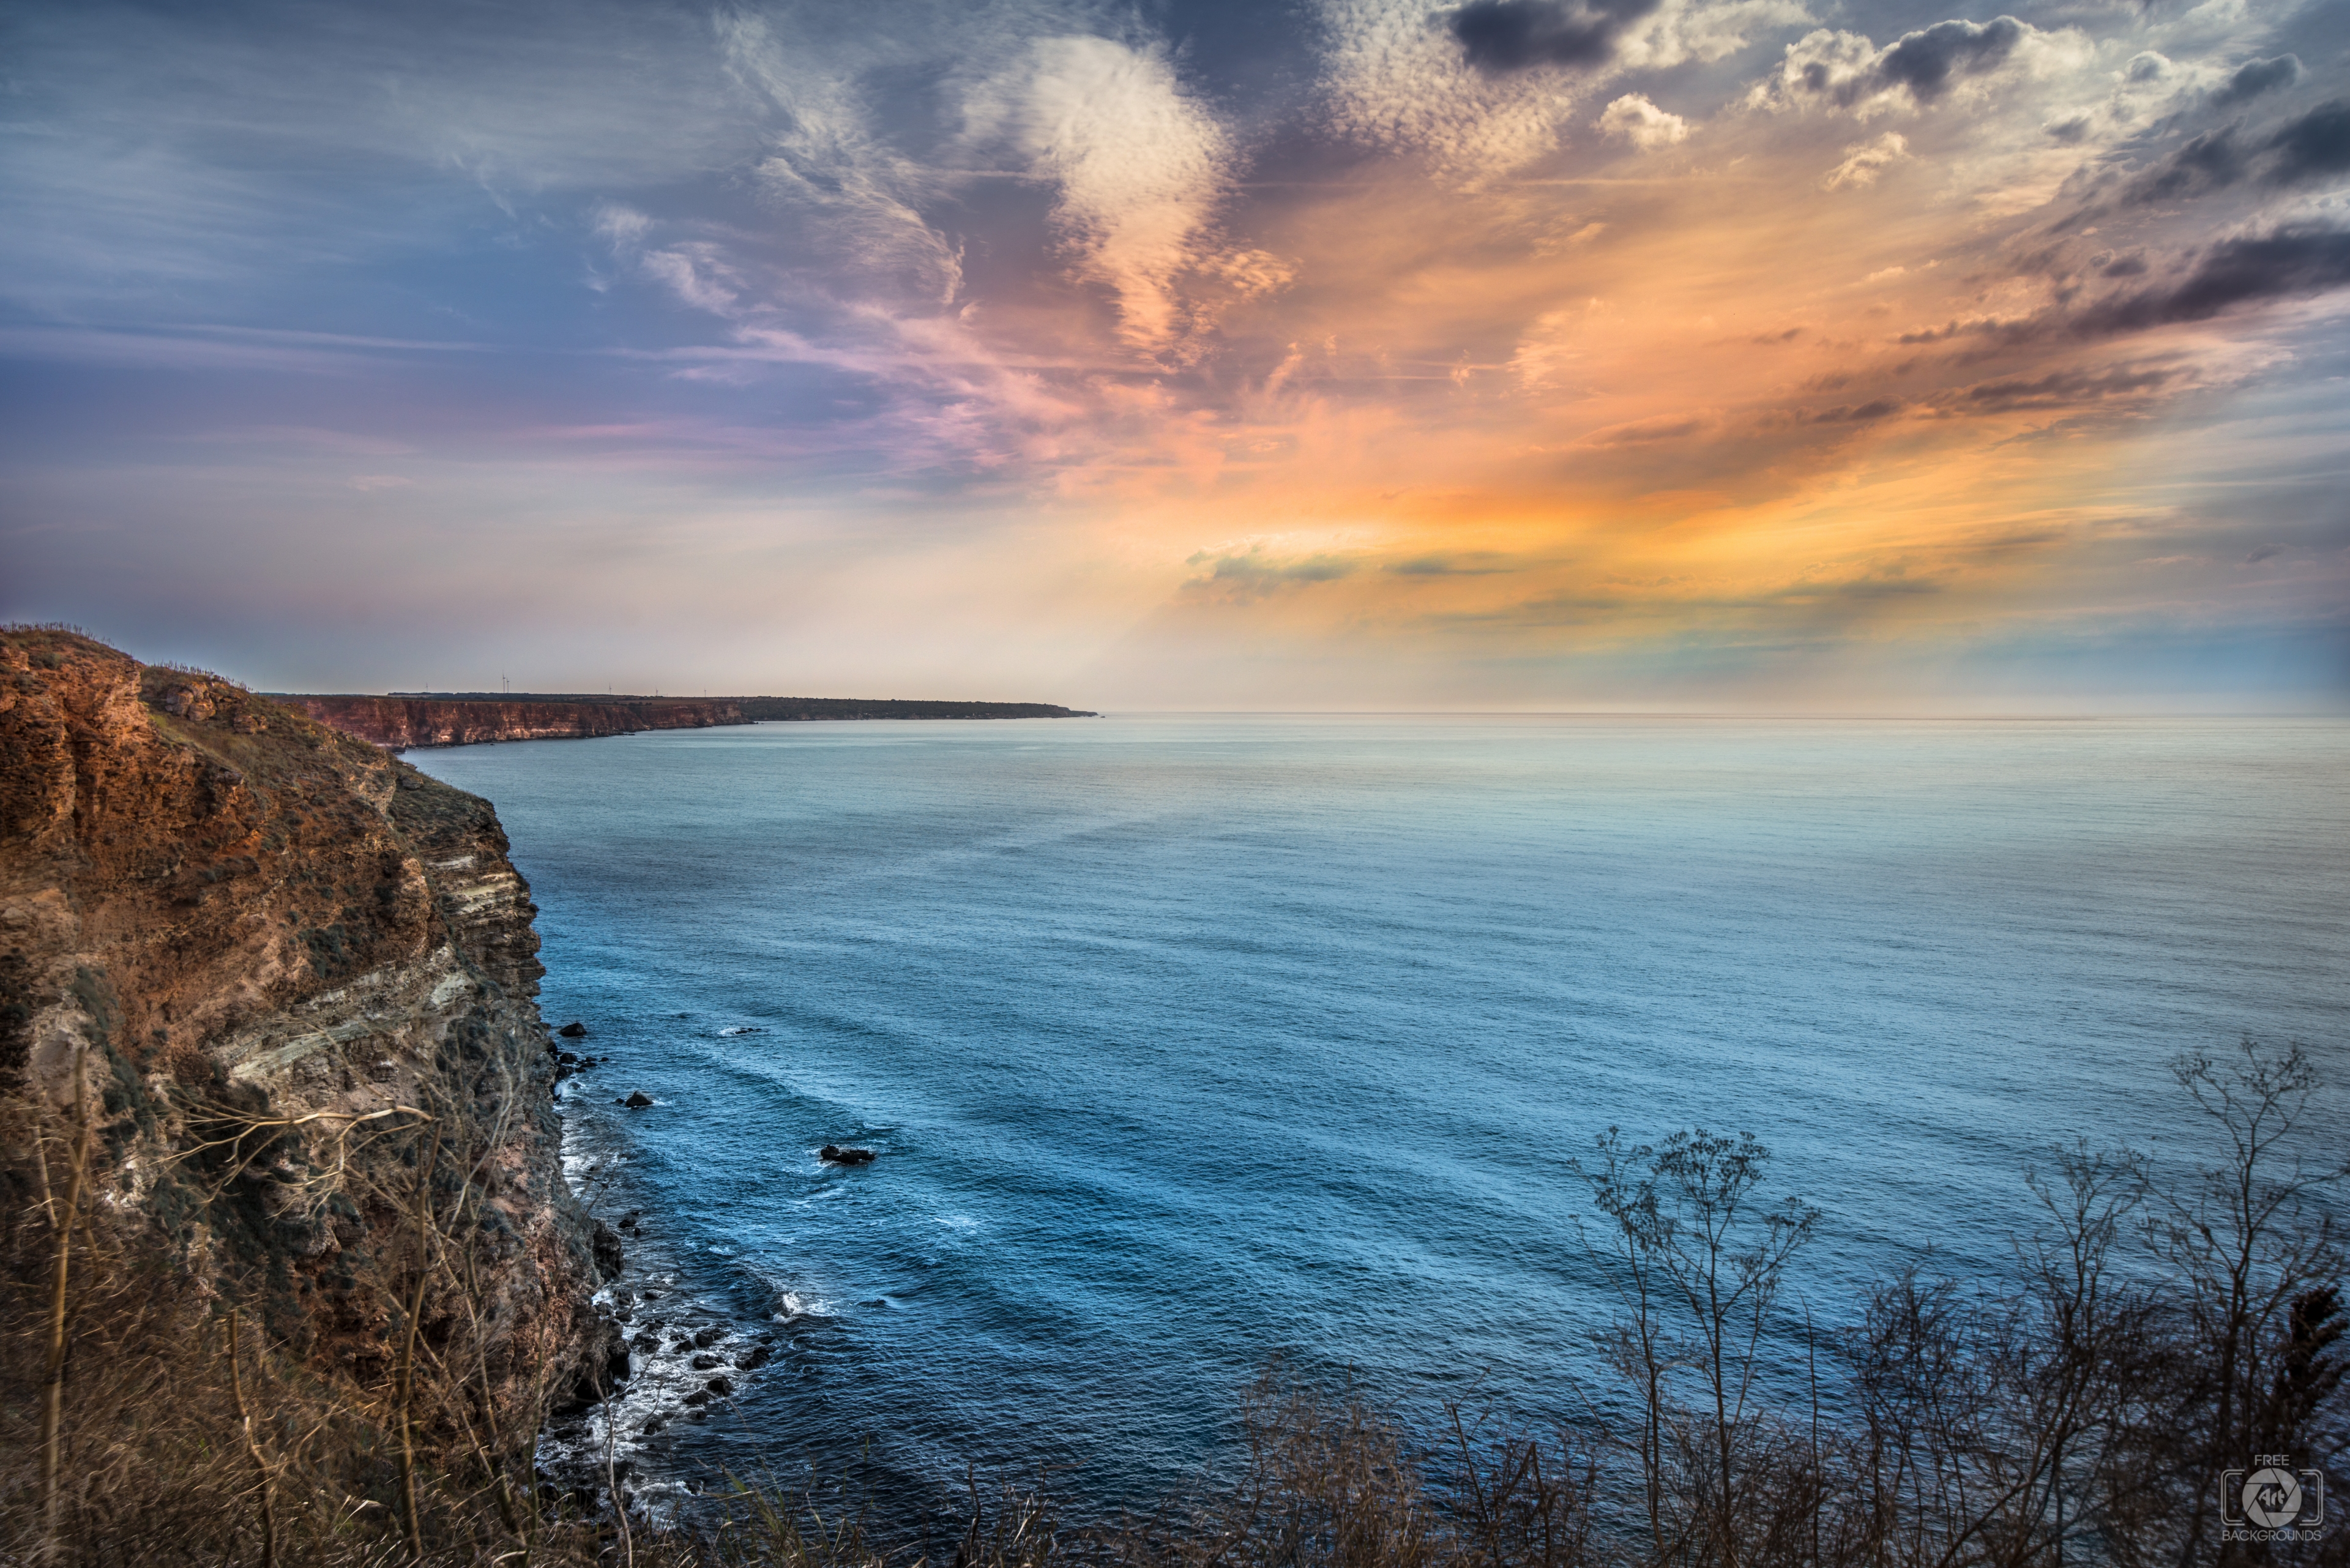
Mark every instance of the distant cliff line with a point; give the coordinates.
(403, 720)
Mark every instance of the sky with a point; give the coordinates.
(1755, 355)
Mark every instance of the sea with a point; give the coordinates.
(1195, 1049)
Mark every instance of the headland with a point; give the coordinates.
(402, 720)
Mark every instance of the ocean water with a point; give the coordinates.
(1191, 1043)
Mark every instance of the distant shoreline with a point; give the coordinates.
(401, 721)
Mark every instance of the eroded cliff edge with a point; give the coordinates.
(301, 979)
(397, 723)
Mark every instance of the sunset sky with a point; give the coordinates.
(1520, 354)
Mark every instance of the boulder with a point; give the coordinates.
(638, 1100)
(572, 1030)
(839, 1156)
(605, 1243)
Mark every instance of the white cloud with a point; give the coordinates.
(698, 272)
(1842, 72)
(1633, 118)
(1140, 166)
(1394, 79)
(1865, 161)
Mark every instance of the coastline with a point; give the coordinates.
(403, 720)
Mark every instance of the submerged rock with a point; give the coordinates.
(839, 1156)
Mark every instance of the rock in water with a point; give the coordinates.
(839, 1156)
(638, 1100)
(607, 1245)
(572, 1030)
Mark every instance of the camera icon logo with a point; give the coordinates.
(2273, 1498)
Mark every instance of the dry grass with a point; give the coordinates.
(2078, 1413)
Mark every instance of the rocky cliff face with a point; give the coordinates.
(299, 982)
(399, 723)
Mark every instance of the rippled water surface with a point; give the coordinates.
(1190, 1041)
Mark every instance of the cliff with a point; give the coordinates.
(296, 979)
(396, 723)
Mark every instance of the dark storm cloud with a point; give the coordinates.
(2293, 262)
(2255, 77)
(1514, 35)
(2209, 161)
(2310, 147)
(2314, 146)
(2288, 264)
(2059, 389)
(1926, 62)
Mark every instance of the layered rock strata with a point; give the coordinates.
(231, 918)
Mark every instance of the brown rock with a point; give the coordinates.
(224, 908)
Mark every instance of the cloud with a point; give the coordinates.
(1470, 564)
(1514, 35)
(699, 274)
(1643, 433)
(2310, 147)
(825, 156)
(1633, 118)
(1868, 413)
(1865, 161)
(2057, 388)
(1244, 576)
(1486, 87)
(1140, 166)
(2294, 261)
(1846, 72)
(1395, 80)
(2255, 77)
(2289, 262)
